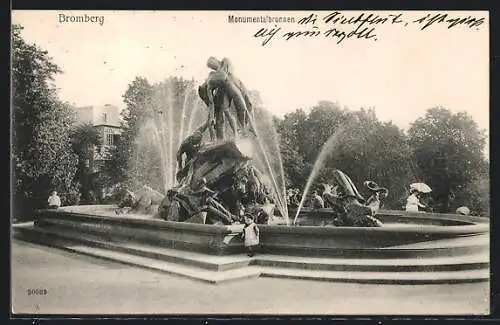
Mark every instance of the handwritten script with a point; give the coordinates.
(363, 26)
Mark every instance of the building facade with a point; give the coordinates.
(98, 115)
(106, 120)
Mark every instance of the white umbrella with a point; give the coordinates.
(421, 187)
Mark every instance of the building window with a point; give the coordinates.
(109, 139)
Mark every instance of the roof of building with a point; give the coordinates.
(109, 125)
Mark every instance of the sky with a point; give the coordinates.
(401, 71)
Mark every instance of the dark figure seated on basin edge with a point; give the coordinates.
(351, 208)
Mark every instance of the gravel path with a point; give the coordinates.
(76, 284)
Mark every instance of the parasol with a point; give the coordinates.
(421, 187)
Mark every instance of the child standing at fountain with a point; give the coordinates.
(54, 201)
(250, 235)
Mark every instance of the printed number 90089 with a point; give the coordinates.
(37, 292)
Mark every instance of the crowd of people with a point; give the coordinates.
(329, 196)
(416, 201)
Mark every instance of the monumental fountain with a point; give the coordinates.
(218, 160)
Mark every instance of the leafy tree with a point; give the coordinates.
(41, 149)
(364, 148)
(476, 196)
(84, 139)
(448, 149)
(139, 91)
(322, 122)
(368, 149)
(291, 130)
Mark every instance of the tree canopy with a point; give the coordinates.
(41, 148)
(365, 148)
(135, 97)
(448, 149)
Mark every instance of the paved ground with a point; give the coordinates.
(82, 285)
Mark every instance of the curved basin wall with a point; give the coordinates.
(186, 236)
(316, 217)
(220, 240)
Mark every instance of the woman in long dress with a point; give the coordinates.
(412, 202)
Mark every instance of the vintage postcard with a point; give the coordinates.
(251, 163)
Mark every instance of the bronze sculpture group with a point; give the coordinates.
(221, 91)
(349, 206)
(217, 184)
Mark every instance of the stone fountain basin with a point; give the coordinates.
(393, 218)
(395, 238)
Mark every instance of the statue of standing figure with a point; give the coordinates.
(220, 111)
(222, 90)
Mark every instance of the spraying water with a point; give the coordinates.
(192, 116)
(175, 111)
(169, 118)
(271, 143)
(280, 197)
(158, 138)
(181, 136)
(170, 128)
(183, 117)
(326, 151)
